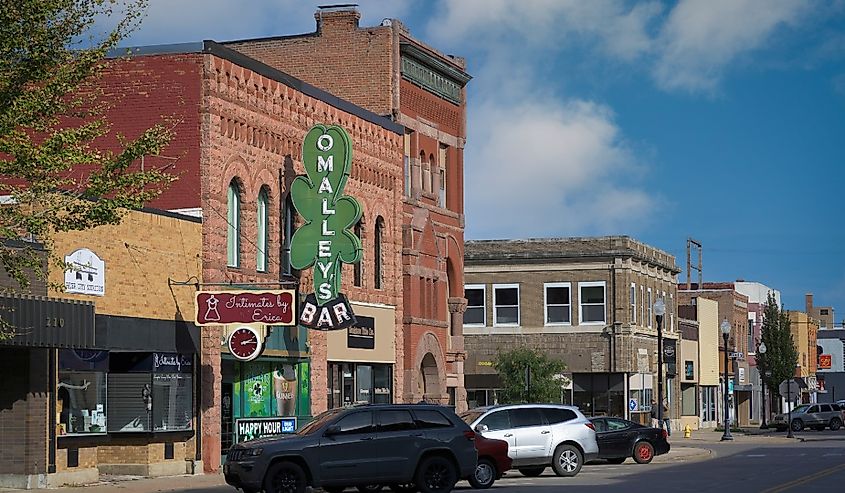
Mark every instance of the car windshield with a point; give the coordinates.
(317, 422)
(800, 409)
(470, 416)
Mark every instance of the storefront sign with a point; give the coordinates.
(85, 273)
(325, 242)
(253, 428)
(830, 355)
(272, 307)
(362, 335)
(171, 362)
(825, 361)
(669, 353)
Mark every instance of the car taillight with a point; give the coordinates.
(590, 426)
(665, 434)
(470, 435)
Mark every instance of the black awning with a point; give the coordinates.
(147, 334)
(48, 322)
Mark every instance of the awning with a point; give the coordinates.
(38, 321)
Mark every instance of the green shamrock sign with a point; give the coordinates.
(325, 240)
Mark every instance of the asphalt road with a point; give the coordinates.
(769, 464)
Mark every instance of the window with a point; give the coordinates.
(499, 420)
(356, 423)
(823, 311)
(825, 408)
(407, 164)
(233, 230)
(356, 267)
(476, 311)
(591, 297)
(433, 173)
(689, 370)
(127, 395)
(377, 261)
(172, 401)
(649, 308)
(633, 304)
(426, 172)
(431, 419)
(750, 348)
(556, 415)
(689, 405)
(395, 420)
(557, 303)
(642, 305)
(261, 244)
(671, 309)
(616, 424)
(526, 416)
(444, 166)
(506, 304)
(81, 401)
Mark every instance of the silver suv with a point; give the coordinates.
(815, 416)
(539, 435)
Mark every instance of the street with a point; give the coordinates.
(770, 463)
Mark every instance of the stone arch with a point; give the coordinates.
(428, 377)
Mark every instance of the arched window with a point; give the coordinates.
(263, 233)
(356, 268)
(233, 230)
(287, 232)
(426, 172)
(377, 239)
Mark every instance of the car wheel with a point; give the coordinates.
(797, 425)
(285, 477)
(616, 460)
(403, 488)
(436, 474)
(643, 453)
(567, 460)
(484, 475)
(835, 424)
(532, 472)
(369, 488)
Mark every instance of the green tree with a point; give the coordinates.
(545, 380)
(781, 355)
(53, 175)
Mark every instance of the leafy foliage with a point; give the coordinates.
(545, 383)
(781, 355)
(53, 176)
(49, 119)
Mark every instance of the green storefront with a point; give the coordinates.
(273, 389)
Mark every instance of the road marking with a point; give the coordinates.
(755, 455)
(806, 479)
(833, 455)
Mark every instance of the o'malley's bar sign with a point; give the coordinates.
(325, 241)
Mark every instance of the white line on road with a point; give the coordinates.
(755, 455)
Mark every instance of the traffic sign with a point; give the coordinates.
(632, 405)
(792, 389)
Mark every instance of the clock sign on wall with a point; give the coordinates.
(245, 343)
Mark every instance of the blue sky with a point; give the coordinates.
(723, 120)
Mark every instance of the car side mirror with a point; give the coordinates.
(332, 430)
(481, 428)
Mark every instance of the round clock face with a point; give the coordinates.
(244, 344)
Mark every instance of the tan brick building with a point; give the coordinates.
(387, 71)
(585, 301)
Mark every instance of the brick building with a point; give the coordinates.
(110, 384)
(387, 71)
(585, 301)
(239, 136)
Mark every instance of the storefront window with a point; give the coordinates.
(599, 394)
(351, 383)
(381, 384)
(172, 401)
(81, 401)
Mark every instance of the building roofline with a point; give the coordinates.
(210, 47)
(171, 214)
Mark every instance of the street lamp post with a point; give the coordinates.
(726, 332)
(762, 350)
(659, 311)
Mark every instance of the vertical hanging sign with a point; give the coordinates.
(325, 241)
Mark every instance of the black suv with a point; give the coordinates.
(394, 444)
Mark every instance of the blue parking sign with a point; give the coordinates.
(633, 405)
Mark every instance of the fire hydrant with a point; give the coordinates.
(687, 431)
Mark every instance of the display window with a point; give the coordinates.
(81, 392)
(359, 383)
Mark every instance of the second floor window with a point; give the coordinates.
(356, 268)
(261, 244)
(558, 303)
(506, 304)
(633, 304)
(591, 297)
(476, 313)
(233, 229)
(377, 260)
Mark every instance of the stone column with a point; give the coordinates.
(457, 307)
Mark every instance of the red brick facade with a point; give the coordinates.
(364, 66)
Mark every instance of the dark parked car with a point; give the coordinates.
(392, 444)
(619, 439)
(493, 461)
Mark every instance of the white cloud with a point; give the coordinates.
(620, 30)
(540, 168)
(701, 38)
(180, 21)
